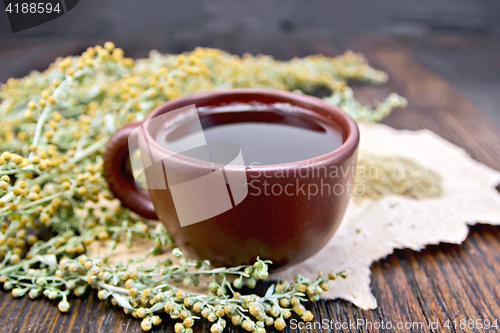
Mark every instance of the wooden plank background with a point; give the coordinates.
(96, 18)
(439, 283)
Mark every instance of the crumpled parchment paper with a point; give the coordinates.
(371, 230)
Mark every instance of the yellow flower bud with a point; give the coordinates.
(128, 61)
(49, 135)
(44, 218)
(308, 316)
(22, 135)
(53, 124)
(56, 202)
(56, 82)
(109, 46)
(35, 160)
(56, 116)
(17, 159)
(279, 324)
(132, 292)
(6, 156)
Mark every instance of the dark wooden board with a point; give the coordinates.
(439, 283)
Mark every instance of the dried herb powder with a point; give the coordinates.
(380, 176)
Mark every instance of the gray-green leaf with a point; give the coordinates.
(123, 301)
(270, 291)
(156, 307)
(48, 259)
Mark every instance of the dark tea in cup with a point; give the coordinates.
(266, 133)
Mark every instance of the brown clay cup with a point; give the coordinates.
(286, 229)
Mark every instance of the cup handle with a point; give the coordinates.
(120, 180)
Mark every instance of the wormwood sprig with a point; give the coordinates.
(57, 270)
(53, 131)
